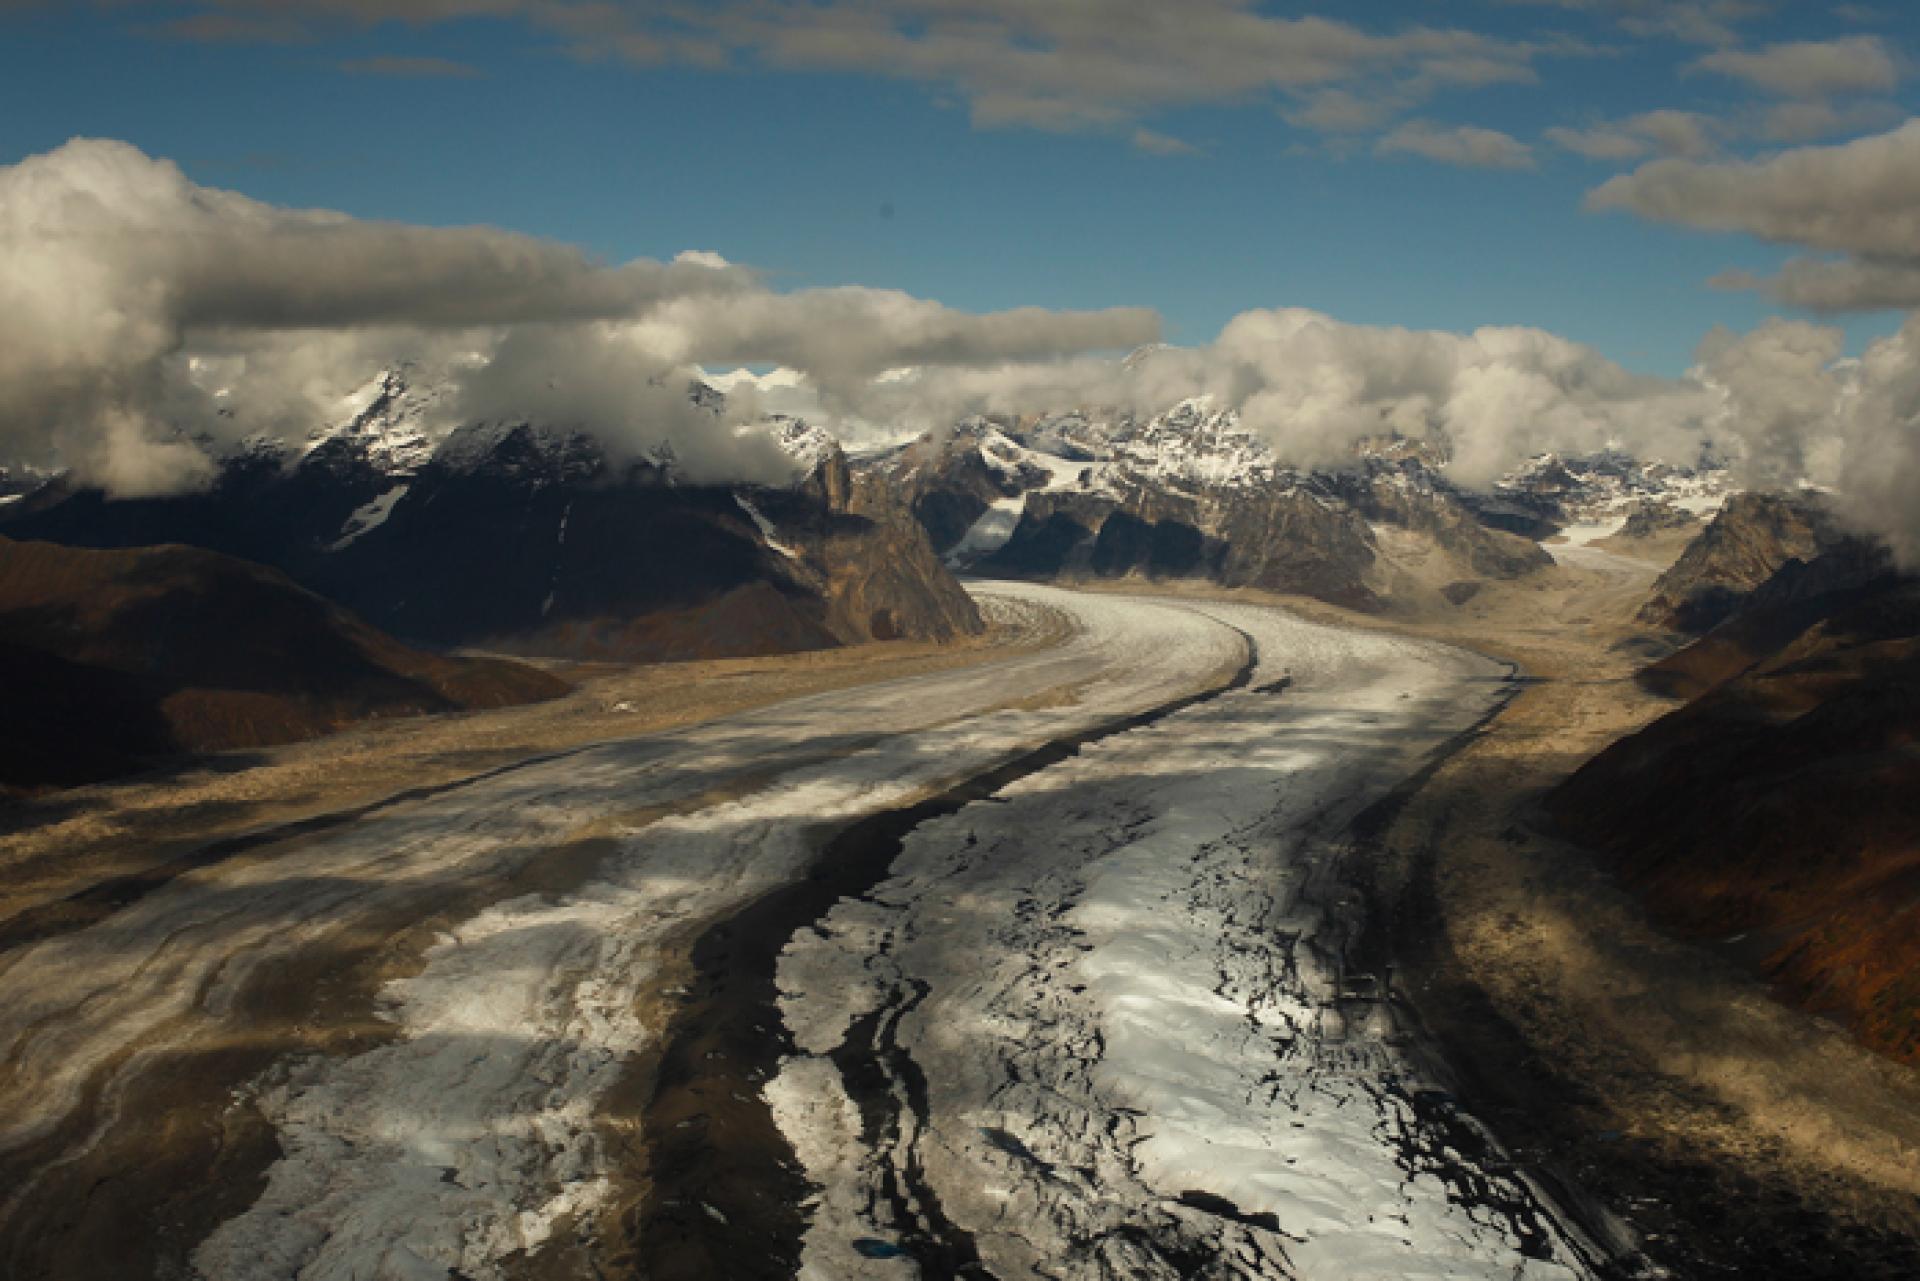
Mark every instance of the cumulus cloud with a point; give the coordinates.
(1314, 387)
(845, 336)
(604, 377)
(139, 310)
(1780, 381)
(1810, 68)
(1810, 121)
(1465, 145)
(1782, 402)
(1861, 196)
(1341, 111)
(1802, 412)
(1860, 199)
(1160, 144)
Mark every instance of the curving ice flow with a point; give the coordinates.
(1129, 988)
(1125, 984)
(461, 1142)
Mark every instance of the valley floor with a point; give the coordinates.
(1066, 956)
(1068, 971)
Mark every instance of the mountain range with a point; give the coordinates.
(525, 538)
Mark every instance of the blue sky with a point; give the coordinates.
(855, 167)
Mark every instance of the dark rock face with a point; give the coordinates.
(1185, 495)
(519, 537)
(1780, 805)
(118, 657)
(1290, 540)
(1748, 542)
(1409, 495)
(1653, 516)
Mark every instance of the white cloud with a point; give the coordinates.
(116, 272)
(1707, 22)
(1813, 120)
(1811, 68)
(1342, 111)
(1465, 145)
(1065, 65)
(1800, 411)
(1781, 400)
(1313, 387)
(1860, 199)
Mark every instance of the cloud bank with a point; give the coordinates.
(1801, 412)
(1314, 387)
(139, 311)
(1782, 403)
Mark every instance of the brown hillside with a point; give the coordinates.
(113, 658)
(1779, 810)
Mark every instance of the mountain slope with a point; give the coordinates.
(1779, 808)
(1188, 494)
(1750, 539)
(530, 539)
(116, 657)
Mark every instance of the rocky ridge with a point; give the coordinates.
(529, 538)
(1190, 494)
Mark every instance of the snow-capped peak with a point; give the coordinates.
(388, 417)
(805, 443)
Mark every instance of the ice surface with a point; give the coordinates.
(768, 533)
(1129, 958)
(1122, 982)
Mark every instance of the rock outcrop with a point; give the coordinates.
(1652, 517)
(1747, 543)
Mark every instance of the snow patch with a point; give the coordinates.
(367, 518)
(768, 532)
(989, 533)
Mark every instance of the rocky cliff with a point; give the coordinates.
(1749, 541)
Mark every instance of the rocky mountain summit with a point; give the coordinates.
(533, 539)
(1189, 494)
(1748, 542)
